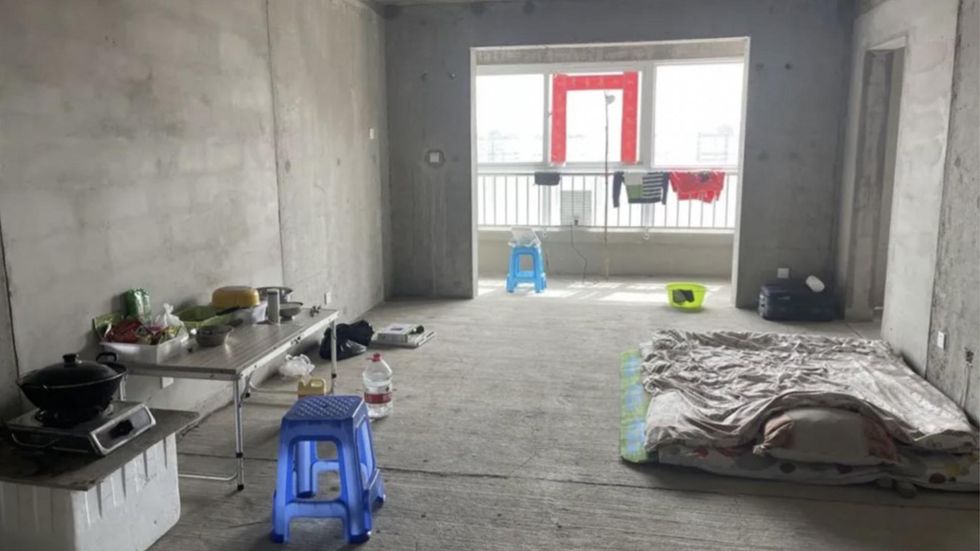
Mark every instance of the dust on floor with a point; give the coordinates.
(505, 435)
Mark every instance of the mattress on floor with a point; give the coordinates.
(716, 389)
(937, 470)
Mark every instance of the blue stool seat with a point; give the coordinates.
(534, 276)
(343, 421)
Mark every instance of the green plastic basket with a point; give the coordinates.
(685, 295)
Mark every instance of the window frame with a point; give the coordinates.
(646, 105)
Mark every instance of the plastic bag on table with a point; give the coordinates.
(165, 326)
(296, 367)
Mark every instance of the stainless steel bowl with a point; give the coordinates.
(212, 335)
(289, 310)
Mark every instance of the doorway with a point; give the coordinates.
(565, 137)
(874, 183)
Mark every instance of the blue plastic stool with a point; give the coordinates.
(342, 420)
(535, 276)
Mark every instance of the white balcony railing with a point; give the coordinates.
(509, 199)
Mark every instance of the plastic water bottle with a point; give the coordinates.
(377, 387)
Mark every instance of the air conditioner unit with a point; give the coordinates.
(576, 204)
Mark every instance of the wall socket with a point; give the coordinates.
(166, 381)
(941, 340)
(782, 273)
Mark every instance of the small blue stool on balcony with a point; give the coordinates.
(525, 243)
(343, 421)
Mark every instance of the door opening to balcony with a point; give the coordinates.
(624, 168)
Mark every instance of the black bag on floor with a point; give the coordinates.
(360, 332)
(352, 340)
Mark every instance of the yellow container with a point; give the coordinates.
(313, 387)
(687, 296)
(224, 298)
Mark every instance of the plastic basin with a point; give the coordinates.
(686, 295)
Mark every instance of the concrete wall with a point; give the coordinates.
(9, 395)
(328, 71)
(798, 58)
(926, 30)
(956, 301)
(630, 253)
(138, 149)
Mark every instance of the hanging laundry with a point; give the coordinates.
(547, 178)
(655, 186)
(618, 179)
(705, 185)
(647, 188)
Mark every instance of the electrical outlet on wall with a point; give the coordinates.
(782, 273)
(941, 340)
(166, 381)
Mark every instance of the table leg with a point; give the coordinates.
(333, 356)
(239, 433)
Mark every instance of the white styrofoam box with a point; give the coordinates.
(147, 353)
(128, 511)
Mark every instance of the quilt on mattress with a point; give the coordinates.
(718, 388)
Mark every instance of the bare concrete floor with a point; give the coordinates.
(505, 436)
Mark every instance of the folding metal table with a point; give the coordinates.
(248, 349)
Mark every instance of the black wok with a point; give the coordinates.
(74, 385)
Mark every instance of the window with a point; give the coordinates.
(510, 118)
(697, 114)
(585, 139)
(676, 115)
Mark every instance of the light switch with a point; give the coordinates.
(941, 340)
(782, 273)
(371, 134)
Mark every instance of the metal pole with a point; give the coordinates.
(605, 177)
(333, 355)
(239, 434)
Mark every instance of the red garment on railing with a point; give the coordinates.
(705, 185)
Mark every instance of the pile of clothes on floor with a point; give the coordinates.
(802, 407)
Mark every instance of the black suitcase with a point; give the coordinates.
(794, 301)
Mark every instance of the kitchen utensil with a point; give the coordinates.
(289, 310)
(74, 386)
(284, 292)
(272, 310)
(224, 298)
(212, 335)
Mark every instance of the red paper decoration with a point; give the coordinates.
(562, 84)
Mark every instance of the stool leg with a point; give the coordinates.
(306, 482)
(538, 272)
(512, 270)
(284, 489)
(366, 441)
(352, 491)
